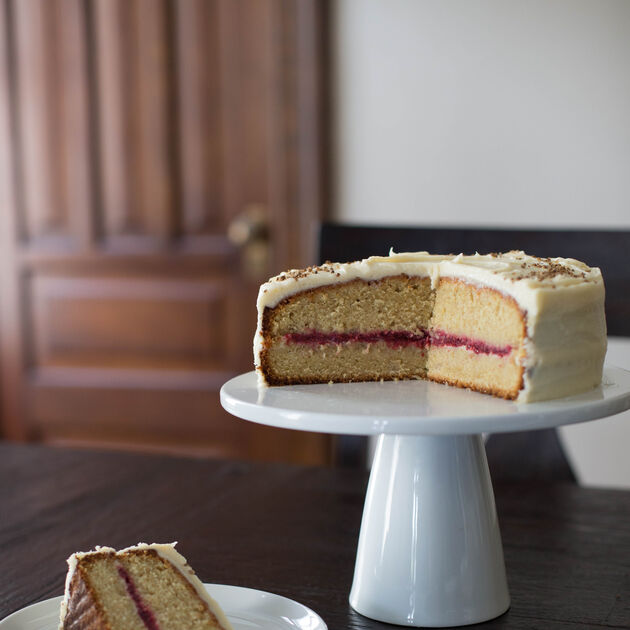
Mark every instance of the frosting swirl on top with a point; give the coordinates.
(509, 272)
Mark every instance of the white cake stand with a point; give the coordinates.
(430, 550)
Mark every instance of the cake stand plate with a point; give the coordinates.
(429, 550)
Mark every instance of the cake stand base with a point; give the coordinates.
(430, 550)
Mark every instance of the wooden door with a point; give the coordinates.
(135, 134)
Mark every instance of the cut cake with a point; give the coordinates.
(145, 587)
(512, 325)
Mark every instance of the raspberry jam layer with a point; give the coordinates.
(145, 613)
(441, 338)
(393, 338)
(397, 339)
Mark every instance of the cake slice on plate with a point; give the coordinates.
(145, 587)
(512, 325)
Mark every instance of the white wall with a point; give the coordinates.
(490, 113)
(483, 111)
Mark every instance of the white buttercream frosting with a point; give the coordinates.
(561, 298)
(166, 551)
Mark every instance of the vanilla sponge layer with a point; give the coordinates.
(488, 373)
(358, 361)
(395, 303)
(400, 303)
(104, 580)
(346, 362)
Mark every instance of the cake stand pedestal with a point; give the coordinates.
(430, 551)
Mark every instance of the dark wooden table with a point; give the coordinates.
(293, 531)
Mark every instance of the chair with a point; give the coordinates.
(532, 455)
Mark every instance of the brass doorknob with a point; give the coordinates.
(249, 231)
(249, 225)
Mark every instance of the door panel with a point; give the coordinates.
(113, 322)
(51, 120)
(135, 119)
(199, 122)
(140, 130)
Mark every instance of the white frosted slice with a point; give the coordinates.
(166, 551)
(562, 300)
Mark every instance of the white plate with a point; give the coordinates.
(414, 407)
(246, 608)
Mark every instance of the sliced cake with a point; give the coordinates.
(146, 587)
(512, 325)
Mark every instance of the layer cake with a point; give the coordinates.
(145, 587)
(511, 325)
